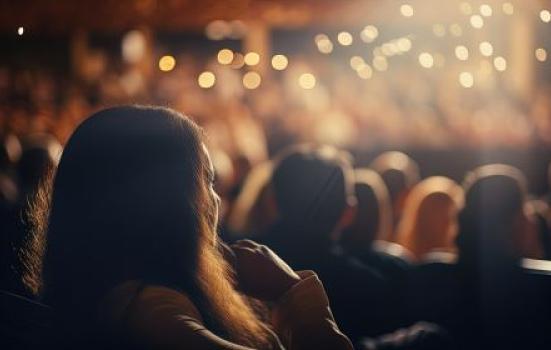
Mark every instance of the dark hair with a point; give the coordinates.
(130, 202)
(494, 196)
(312, 186)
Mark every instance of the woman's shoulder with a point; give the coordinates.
(136, 297)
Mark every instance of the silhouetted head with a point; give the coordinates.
(132, 199)
(373, 218)
(492, 221)
(429, 219)
(313, 188)
(400, 173)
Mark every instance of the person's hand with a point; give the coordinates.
(260, 272)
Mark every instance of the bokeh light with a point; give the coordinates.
(345, 38)
(251, 80)
(369, 34)
(500, 64)
(486, 49)
(365, 72)
(323, 43)
(406, 10)
(167, 63)
(456, 30)
(206, 80)
(380, 63)
(252, 58)
(541, 54)
(508, 8)
(225, 56)
(476, 21)
(462, 53)
(486, 10)
(356, 62)
(20, 31)
(466, 79)
(426, 60)
(465, 8)
(307, 81)
(279, 62)
(545, 16)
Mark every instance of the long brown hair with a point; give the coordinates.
(130, 201)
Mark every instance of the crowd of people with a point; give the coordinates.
(140, 232)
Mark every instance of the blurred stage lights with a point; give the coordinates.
(404, 44)
(369, 34)
(486, 49)
(307, 81)
(500, 64)
(323, 43)
(206, 80)
(279, 62)
(508, 8)
(251, 80)
(541, 54)
(465, 8)
(466, 79)
(20, 31)
(406, 10)
(345, 38)
(238, 61)
(133, 46)
(356, 62)
(225, 56)
(380, 63)
(476, 21)
(167, 63)
(545, 16)
(462, 53)
(252, 58)
(486, 10)
(365, 72)
(426, 60)
(456, 30)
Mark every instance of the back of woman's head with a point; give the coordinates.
(125, 203)
(494, 202)
(131, 200)
(429, 219)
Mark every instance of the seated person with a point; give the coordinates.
(132, 257)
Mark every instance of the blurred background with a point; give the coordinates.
(454, 84)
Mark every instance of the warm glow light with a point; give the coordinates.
(356, 62)
(225, 56)
(462, 53)
(406, 10)
(466, 8)
(167, 63)
(541, 54)
(365, 72)
(133, 46)
(369, 33)
(456, 30)
(323, 43)
(380, 63)
(508, 8)
(20, 30)
(206, 80)
(500, 64)
(486, 10)
(486, 49)
(545, 16)
(345, 38)
(426, 60)
(307, 81)
(439, 30)
(404, 44)
(251, 80)
(477, 21)
(466, 79)
(279, 62)
(252, 58)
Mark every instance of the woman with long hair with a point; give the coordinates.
(126, 237)
(429, 219)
